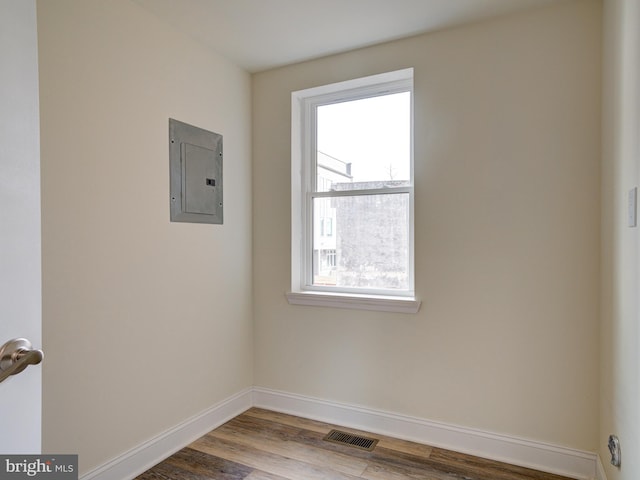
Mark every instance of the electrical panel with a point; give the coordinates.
(195, 159)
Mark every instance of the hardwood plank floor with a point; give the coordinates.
(265, 445)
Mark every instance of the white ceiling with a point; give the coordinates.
(262, 34)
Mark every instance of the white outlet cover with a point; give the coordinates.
(632, 209)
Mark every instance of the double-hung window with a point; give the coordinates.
(352, 194)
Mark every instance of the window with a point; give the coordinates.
(352, 194)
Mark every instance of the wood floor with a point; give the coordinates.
(264, 445)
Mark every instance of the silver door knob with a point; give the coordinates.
(16, 355)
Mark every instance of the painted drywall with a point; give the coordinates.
(20, 273)
(146, 322)
(620, 389)
(507, 159)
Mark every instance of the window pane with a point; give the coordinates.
(367, 245)
(364, 141)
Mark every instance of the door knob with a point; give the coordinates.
(16, 355)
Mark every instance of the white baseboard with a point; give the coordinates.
(132, 463)
(526, 453)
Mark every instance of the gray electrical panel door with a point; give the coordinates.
(195, 157)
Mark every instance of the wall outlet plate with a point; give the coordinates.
(632, 207)
(614, 449)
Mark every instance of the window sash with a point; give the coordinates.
(394, 271)
(355, 193)
(304, 178)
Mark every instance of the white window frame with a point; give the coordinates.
(303, 158)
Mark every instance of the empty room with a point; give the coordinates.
(230, 227)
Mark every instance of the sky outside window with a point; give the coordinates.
(372, 134)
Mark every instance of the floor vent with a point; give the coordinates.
(344, 438)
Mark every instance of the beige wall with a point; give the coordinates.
(507, 150)
(620, 389)
(146, 322)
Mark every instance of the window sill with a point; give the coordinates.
(355, 302)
